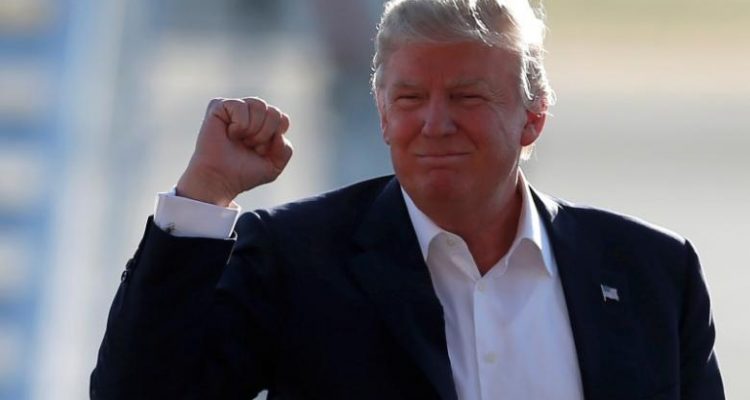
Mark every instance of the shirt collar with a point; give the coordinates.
(425, 229)
(530, 226)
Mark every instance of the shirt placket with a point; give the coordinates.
(488, 335)
(458, 256)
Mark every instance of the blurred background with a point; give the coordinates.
(100, 102)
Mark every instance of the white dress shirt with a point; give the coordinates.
(507, 332)
(185, 217)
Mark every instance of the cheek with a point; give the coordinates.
(485, 132)
(507, 128)
(400, 130)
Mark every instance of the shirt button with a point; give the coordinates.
(451, 241)
(490, 358)
(481, 286)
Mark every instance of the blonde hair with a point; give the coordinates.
(510, 24)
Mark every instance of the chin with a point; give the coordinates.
(441, 188)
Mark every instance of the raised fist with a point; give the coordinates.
(241, 145)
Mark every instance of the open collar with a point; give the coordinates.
(530, 226)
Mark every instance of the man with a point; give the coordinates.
(452, 280)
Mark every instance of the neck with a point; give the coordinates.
(487, 225)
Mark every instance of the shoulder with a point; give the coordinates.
(347, 199)
(655, 259)
(336, 210)
(612, 227)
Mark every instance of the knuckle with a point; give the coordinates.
(233, 105)
(284, 122)
(274, 112)
(255, 102)
(288, 144)
(213, 103)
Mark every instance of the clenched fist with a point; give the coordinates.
(241, 145)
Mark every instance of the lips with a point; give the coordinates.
(441, 155)
(438, 159)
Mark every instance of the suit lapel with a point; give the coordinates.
(392, 272)
(594, 281)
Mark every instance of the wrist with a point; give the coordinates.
(204, 189)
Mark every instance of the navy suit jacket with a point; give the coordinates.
(330, 298)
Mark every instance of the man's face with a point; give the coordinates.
(454, 120)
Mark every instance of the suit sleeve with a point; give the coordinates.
(699, 371)
(174, 331)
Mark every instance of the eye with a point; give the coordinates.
(469, 97)
(407, 98)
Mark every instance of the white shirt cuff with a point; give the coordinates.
(181, 216)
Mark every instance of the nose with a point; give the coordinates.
(437, 118)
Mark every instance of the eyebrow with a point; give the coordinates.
(469, 82)
(458, 83)
(405, 85)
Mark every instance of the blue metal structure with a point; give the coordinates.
(33, 41)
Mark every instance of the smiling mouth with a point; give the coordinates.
(441, 160)
(443, 155)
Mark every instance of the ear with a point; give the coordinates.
(380, 100)
(533, 128)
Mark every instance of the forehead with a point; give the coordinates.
(451, 64)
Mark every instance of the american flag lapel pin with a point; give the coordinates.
(609, 293)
